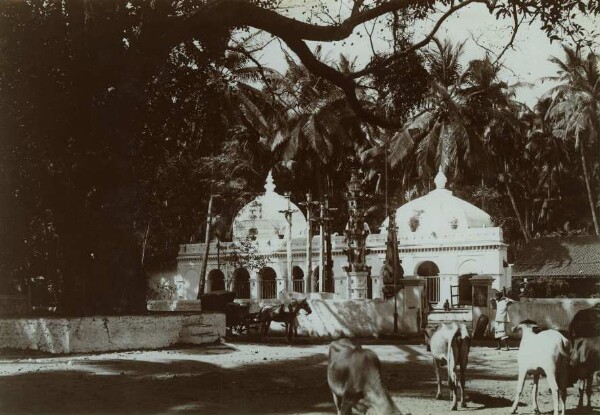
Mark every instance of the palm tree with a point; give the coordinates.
(575, 109)
(468, 120)
(319, 128)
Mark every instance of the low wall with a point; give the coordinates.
(352, 318)
(555, 313)
(108, 333)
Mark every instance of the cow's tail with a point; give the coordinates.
(452, 359)
(565, 347)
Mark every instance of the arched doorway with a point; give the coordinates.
(297, 279)
(241, 283)
(217, 280)
(430, 272)
(268, 284)
(465, 290)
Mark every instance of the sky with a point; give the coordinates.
(527, 61)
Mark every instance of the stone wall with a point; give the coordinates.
(109, 333)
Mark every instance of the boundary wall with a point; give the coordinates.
(110, 333)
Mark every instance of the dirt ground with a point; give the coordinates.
(242, 377)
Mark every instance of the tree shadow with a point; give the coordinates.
(176, 386)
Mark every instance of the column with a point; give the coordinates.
(446, 280)
(482, 293)
(410, 313)
(254, 286)
(358, 284)
(376, 286)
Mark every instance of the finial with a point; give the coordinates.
(269, 185)
(440, 179)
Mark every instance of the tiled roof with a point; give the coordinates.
(562, 256)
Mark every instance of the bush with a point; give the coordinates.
(547, 288)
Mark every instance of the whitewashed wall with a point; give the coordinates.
(109, 333)
(555, 313)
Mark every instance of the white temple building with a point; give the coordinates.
(441, 238)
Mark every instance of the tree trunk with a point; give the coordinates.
(588, 187)
(517, 213)
(202, 282)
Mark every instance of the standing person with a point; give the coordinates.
(501, 320)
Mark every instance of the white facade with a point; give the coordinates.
(440, 237)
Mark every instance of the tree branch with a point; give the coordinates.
(516, 25)
(344, 82)
(371, 68)
(235, 13)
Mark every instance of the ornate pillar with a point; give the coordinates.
(356, 235)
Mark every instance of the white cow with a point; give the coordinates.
(545, 352)
(449, 345)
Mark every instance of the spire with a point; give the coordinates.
(269, 185)
(440, 179)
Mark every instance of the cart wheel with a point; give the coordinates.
(239, 329)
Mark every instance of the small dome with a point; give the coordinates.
(264, 219)
(439, 211)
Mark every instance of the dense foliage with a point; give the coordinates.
(120, 120)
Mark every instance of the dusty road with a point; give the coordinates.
(234, 378)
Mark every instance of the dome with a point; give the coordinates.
(439, 211)
(263, 218)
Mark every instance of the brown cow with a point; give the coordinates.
(585, 323)
(354, 378)
(585, 361)
(449, 345)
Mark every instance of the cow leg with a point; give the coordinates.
(349, 400)
(337, 400)
(463, 368)
(588, 389)
(453, 390)
(563, 399)
(436, 365)
(520, 384)
(580, 388)
(534, 393)
(551, 376)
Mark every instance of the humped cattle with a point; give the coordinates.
(354, 378)
(449, 345)
(546, 352)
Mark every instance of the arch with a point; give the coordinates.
(427, 269)
(297, 279)
(241, 283)
(217, 280)
(267, 280)
(469, 266)
(430, 271)
(465, 290)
